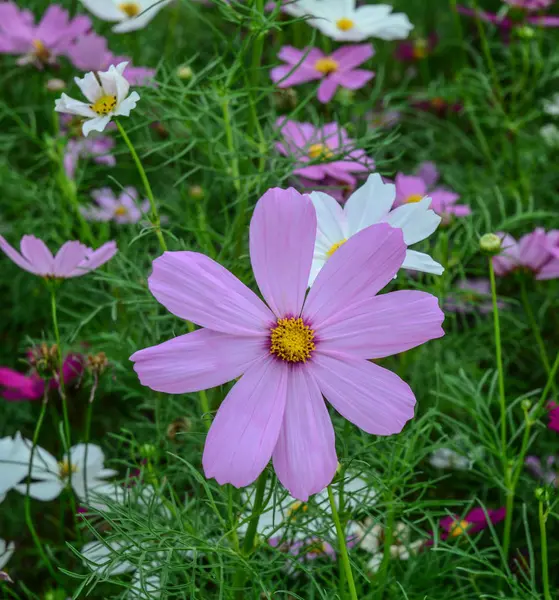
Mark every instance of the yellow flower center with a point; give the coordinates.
(344, 24)
(296, 507)
(335, 247)
(292, 340)
(458, 528)
(326, 65)
(131, 9)
(104, 105)
(121, 211)
(414, 198)
(65, 469)
(320, 151)
(40, 50)
(420, 48)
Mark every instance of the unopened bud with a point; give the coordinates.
(55, 85)
(490, 244)
(184, 72)
(542, 495)
(196, 192)
(148, 451)
(97, 363)
(526, 404)
(525, 32)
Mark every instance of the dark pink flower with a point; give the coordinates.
(336, 69)
(38, 44)
(553, 416)
(474, 521)
(530, 4)
(320, 152)
(72, 260)
(416, 49)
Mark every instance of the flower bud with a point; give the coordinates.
(542, 495)
(184, 72)
(196, 192)
(525, 32)
(490, 243)
(148, 451)
(55, 85)
(526, 404)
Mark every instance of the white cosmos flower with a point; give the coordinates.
(446, 458)
(50, 476)
(550, 135)
(107, 97)
(344, 22)
(129, 15)
(6, 551)
(14, 463)
(370, 204)
(551, 107)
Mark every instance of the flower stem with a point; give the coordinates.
(155, 218)
(342, 544)
(88, 430)
(257, 50)
(248, 543)
(543, 535)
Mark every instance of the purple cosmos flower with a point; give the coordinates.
(38, 44)
(315, 151)
(412, 188)
(506, 23)
(123, 209)
(91, 53)
(547, 473)
(535, 252)
(553, 416)
(17, 387)
(474, 521)
(474, 295)
(290, 350)
(336, 69)
(416, 49)
(72, 260)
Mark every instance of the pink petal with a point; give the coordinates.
(197, 361)
(549, 270)
(544, 21)
(442, 200)
(355, 272)
(246, 427)
(288, 76)
(36, 252)
(429, 173)
(352, 56)
(409, 185)
(73, 367)
(384, 325)
(96, 259)
(314, 172)
(356, 79)
(509, 257)
(196, 288)
(68, 258)
(533, 250)
(293, 56)
(282, 236)
(371, 397)
(305, 456)
(16, 257)
(15, 386)
(327, 88)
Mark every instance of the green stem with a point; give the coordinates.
(257, 50)
(248, 543)
(231, 145)
(543, 534)
(342, 543)
(155, 218)
(88, 430)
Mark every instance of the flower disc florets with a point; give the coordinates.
(292, 340)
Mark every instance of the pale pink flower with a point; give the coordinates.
(292, 350)
(320, 152)
(471, 295)
(123, 209)
(39, 44)
(336, 69)
(72, 260)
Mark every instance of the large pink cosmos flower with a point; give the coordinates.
(536, 252)
(72, 260)
(38, 44)
(315, 150)
(336, 69)
(292, 350)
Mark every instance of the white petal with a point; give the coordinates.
(106, 558)
(6, 551)
(369, 204)
(68, 105)
(139, 22)
(418, 261)
(124, 108)
(96, 124)
(42, 490)
(316, 267)
(331, 225)
(89, 86)
(107, 10)
(416, 220)
(142, 580)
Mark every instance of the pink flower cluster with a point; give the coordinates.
(506, 23)
(554, 416)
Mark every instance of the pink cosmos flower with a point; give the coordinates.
(416, 49)
(474, 521)
(530, 4)
(437, 105)
(553, 416)
(474, 295)
(534, 252)
(121, 210)
(17, 387)
(412, 188)
(336, 69)
(38, 44)
(91, 53)
(546, 473)
(322, 152)
(506, 23)
(72, 260)
(292, 350)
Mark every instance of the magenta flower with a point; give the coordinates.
(336, 69)
(553, 416)
(546, 473)
(437, 105)
(322, 152)
(121, 210)
(474, 295)
(292, 350)
(72, 260)
(416, 49)
(38, 44)
(474, 521)
(506, 23)
(530, 4)
(412, 188)
(91, 53)
(17, 387)
(534, 252)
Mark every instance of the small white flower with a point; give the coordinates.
(370, 204)
(344, 22)
(551, 107)
(550, 135)
(6, 551)
(14, 463)
(445, 458)
(107, 97)
(50, 476)
(129, 15)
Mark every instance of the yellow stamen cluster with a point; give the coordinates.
(320, 151)
(104, 105)
(65, 469)
(344, 24)
(326, 65)
(292, 340)
(131, 9)
(335, 247)
(414, 198)
(40, 51)
(420, 48)
(458, 528)
(121, 211)
(295, 509)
